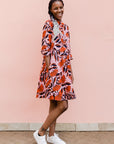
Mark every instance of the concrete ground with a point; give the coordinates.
(26, 137)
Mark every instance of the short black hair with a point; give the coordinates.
(50, 5)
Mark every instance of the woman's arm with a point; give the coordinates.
(46, 43)
(47, 60)
(69, 47)
(72, 75)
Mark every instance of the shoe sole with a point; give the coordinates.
(50, 142)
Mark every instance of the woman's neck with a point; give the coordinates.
(59, 21)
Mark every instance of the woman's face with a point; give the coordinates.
(57, 10)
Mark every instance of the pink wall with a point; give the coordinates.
(92, 39)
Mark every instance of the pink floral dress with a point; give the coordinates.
(55, 82)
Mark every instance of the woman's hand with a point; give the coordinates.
(47, 60)
(72, 76)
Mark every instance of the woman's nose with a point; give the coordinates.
(59, 10)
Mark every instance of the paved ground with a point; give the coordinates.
(26, 137)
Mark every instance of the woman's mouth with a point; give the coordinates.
(59, 14)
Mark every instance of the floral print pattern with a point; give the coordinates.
(55, 82)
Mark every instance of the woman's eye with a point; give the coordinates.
(55, 8)
(58, 8)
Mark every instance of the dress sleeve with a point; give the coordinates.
(68, 44)
(46, 39)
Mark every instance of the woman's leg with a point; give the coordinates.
(53, 115)
(53, 104)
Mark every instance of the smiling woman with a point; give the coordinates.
(56, 9)
(56, 77)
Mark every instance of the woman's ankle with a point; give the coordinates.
(52, 134)
(41, 134)
(41, 131)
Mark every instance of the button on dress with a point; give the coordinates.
(55, 82)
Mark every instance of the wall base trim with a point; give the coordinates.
(59, 126)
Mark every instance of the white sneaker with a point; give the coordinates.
(39, 139)
(55, 139)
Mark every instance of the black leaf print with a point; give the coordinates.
(57, 45)
(65, 45)
(50, 32)
(58, 40)
(46, 36)
(42, 93)
(67, 83)
(55, 37)
(53, 64)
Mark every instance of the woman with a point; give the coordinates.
(56, 77)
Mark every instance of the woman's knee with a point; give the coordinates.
(53, 103)
(63, 105)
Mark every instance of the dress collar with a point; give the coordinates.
(58, 22)
(57, 27)
(61, 24)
